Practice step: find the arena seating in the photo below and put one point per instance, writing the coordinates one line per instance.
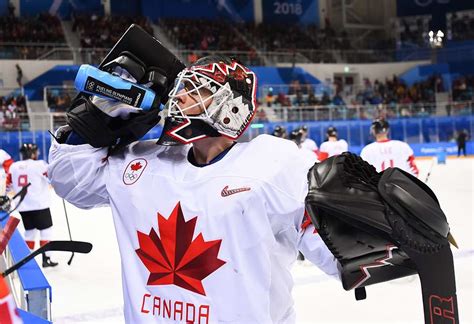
(248, 41)
(29, 37)
(104, 31)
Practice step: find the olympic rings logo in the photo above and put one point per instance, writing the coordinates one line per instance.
(134, 171)
(130, 176)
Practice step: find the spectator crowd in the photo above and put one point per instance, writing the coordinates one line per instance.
(463, 88)
(104, 31)
(391, 98)
(305, 43)
(461, 25)
(246, 41)
(29, 37)
(201, 36)
(12, 112)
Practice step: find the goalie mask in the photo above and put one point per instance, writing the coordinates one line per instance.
(215, 91)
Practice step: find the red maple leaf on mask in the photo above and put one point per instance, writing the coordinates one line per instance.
(174, 258)
(136, 166)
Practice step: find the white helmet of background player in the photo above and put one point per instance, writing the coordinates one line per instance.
(231, 89)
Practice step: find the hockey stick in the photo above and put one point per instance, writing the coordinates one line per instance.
(7, 232)
(22, 193)
(66, 246)
(429, 171)
(12, 222)
(69, 231)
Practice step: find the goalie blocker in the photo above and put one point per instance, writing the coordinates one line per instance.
(148, 62)
(384, 226)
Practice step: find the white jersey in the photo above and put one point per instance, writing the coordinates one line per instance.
(4, 156)
(389, 154)
(307, 154)
(5, 160)
(309, 144)
(203, 244)
(3, 182)
(35, 172)
(334, 147)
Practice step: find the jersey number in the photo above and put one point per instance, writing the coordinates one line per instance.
(387, 164)
(22, 180)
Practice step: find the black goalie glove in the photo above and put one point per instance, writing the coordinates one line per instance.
(383, 226)
(150, 64)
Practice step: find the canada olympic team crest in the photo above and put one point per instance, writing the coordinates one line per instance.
(134, 170)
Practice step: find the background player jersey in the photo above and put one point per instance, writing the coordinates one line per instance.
(389, 154)
(334, 147)
(3, 182)
(202, 244)
(5, 160)
(34, 172)
(309, 144)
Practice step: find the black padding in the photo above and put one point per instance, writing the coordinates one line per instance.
(372, 268)
(90, 123)
(384, 226)
(328, 191)
(360, 293)
(158, 78)
(151, 53)
(412, 201)
(358, 221)
(129, 62)
(150, 63)
(101, 130)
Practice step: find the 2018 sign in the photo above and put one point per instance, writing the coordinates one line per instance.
(290, 11)
(286, 8)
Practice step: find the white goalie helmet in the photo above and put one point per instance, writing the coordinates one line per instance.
(224, 93)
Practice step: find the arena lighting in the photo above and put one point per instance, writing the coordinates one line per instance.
(436, 40)
(257, 126)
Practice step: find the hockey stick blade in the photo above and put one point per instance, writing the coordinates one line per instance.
(69, 246)
(65, 246)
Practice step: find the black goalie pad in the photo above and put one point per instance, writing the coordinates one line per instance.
(383, 226)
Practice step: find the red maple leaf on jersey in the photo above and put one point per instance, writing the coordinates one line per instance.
(136, 166)
(174, 258)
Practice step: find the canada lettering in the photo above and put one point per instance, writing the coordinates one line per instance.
(174, 309)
